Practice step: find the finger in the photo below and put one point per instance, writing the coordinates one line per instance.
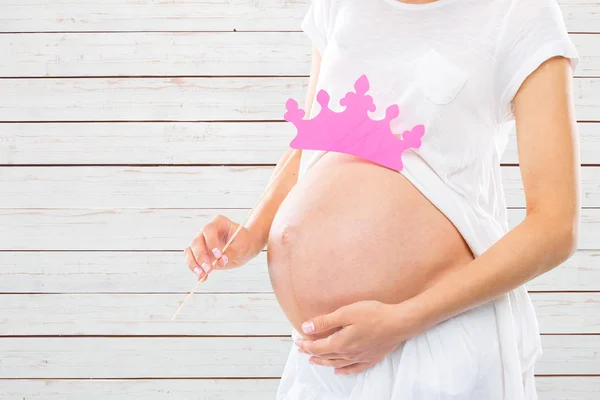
(330, 345)
(330, 356)
(192, 264)
(335, 362)
(200, 253)
(353, 369)
(326, 322)
(333, 356)
(215, 239)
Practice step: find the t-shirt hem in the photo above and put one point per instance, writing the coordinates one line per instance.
(478, 229)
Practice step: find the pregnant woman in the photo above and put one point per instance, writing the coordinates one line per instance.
(408, 284)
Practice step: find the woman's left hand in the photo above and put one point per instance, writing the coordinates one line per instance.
(370, 330)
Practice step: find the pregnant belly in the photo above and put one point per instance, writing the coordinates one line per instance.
(351, 230)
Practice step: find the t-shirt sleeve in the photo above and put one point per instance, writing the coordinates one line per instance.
(532, 32)
(316, 23)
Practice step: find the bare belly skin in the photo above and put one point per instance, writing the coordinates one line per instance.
(351, 230)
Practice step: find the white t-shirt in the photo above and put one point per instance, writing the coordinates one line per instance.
(453, 66)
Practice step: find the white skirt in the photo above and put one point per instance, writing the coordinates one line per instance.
(458, 359)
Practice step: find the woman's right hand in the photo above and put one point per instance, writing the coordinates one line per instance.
(209, 243)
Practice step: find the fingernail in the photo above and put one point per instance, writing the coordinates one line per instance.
(216, 252)
(308, 327)
(310, 360)
(298, 342)
(225, 259)
(205, 267)
(198, 271)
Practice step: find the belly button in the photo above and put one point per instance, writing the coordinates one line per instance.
(280, 232)
(285, 235)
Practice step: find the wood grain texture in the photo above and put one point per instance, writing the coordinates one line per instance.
(579, 355)
(220, 314)
(104, 229)
(150, 314)
(215, 357)
(144, 389)
(151, 143)
(176, 54)
(140, 357)
(567, 313)
(166, 272)
(147, 15)
(156, 229)
(183, 99)
(197, 15)
(567, 387)
(167, 54)
(128, 272)
(170, 143)
(149, 99)
(133, 187)
(185, 187)
(549, 388)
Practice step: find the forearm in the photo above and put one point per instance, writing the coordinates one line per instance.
(530, 249)
(259, 224)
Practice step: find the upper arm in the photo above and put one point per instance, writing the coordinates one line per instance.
(547, 142)
(533, 65)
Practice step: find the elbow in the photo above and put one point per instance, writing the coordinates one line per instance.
(562, 232)
(567, 240)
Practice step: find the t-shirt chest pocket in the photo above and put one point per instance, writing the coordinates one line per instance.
(438, 78)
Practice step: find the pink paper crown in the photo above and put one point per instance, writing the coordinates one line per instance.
(352, 131)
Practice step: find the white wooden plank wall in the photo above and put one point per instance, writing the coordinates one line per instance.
(124, 126)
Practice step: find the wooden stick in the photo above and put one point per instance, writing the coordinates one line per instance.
(239, 228)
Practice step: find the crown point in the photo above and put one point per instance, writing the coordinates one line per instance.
(293, 113)
(323, 98)
(419, 130)
(413, 137)
(370, 104)
(291, 105)
(362, 85)
(392, 112)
